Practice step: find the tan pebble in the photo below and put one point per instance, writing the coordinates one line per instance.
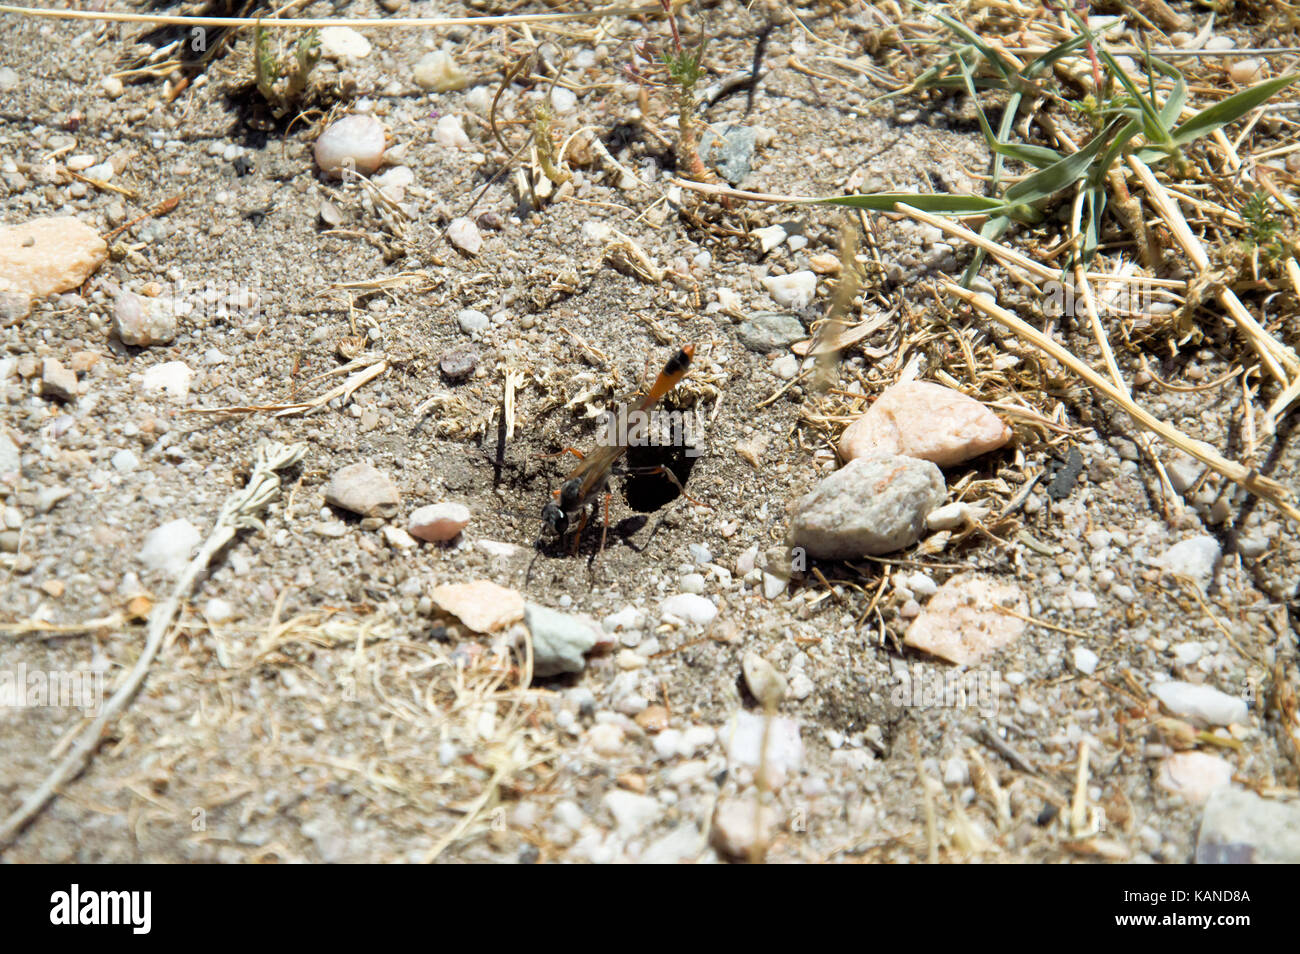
(83, 361)
(1246, 72)
(1194, 775)
(751, 451)
(632, 782)
(628, 659)
(58, 381)
(767, 685)
(48, 255)
(53, 587)
(653, 718)
(482, 605)
(438, 523)
(139, 606)
(742, 830)
(825, 264)
(606, 739)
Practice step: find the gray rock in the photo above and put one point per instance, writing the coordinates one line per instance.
(363, 489)
(125, 461)
(560, 640)
(730, 150)
(47, 497)
(458, 364)
(870, 506)
(167, 548)
(1201, 703)
(14, 307)
(770, 331)
(1239, 827)
(1194, 558)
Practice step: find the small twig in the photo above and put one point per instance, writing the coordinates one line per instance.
(240, 512)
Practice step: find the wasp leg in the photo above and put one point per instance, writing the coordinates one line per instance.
(605, 526)
(577, 534)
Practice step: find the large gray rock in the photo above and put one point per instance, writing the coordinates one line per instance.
(867, 508)
(560, 640)
(1239, 827)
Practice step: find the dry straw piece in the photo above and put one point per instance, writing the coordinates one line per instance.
(1267, 488)
(240, 512)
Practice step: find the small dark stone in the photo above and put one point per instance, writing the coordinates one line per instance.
(243, 166)
(458, 364)
(1066, 476)
(491, 222)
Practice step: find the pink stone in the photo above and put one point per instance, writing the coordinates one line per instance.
(925, 420)
(482, 605)
(438, 523)
(49, 255)
(961, 622)
(1194, 775)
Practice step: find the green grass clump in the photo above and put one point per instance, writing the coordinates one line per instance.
(283, 84)
(1124, 119)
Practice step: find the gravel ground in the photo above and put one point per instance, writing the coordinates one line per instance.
(312, 703)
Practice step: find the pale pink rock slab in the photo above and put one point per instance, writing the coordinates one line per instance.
(482, 605)
(48, 255)
(924, 420)
(961, 622)
(438, 523)
(1194, 775)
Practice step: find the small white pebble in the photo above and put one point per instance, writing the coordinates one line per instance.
(1085, 660)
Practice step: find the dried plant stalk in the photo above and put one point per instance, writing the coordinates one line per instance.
(1264, 487)
(1277, 357)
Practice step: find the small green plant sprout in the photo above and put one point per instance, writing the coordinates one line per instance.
(282, 84)
(545, 146)
(1264, 230)
(685, 68)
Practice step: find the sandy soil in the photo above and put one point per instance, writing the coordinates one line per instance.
(337, 716)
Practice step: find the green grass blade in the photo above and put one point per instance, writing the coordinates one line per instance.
(1059, 175)
(1153, 127)
(941, 203)
(1095, 201)
(1060, 51)
(1229, 110)
(1113, 151)
(1036, 156)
